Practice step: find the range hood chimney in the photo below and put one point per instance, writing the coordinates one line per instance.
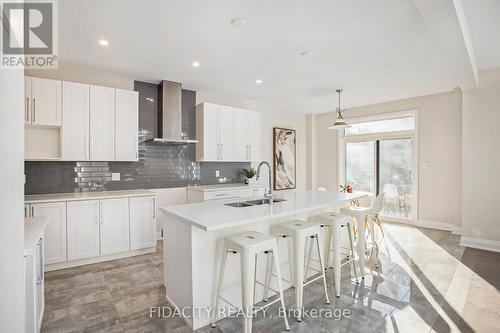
(170, 115)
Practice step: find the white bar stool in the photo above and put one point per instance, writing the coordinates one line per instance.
(359, 214)
(300, 231)
(248, 245)
(334, 224)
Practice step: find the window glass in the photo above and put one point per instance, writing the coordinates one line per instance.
(380, 126)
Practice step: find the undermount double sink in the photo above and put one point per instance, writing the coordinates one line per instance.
(251, 203)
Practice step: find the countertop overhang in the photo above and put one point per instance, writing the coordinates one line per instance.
(224, 187)
(215, 215)
(33, 229)
(77, 196)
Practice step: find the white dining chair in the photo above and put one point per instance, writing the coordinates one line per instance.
(392, 196)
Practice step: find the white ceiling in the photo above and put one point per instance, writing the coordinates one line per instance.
(376, 50)
(484, 22)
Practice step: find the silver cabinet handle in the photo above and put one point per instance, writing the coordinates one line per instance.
(221, 151)
(91, 144)
(97, 216)
(32, 211)
(40, 245)
(33, 111)
(27, 106)
(102, 213)
(154, 208)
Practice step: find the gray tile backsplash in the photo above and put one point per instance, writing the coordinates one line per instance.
(159, 166)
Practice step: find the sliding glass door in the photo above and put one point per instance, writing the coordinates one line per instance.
(395, 176)
(360, 161)
(379, 157)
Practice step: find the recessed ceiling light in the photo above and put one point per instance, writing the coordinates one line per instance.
(103, 42)
(305, 53)
(196, 64)
(258, 81)
(238, 22)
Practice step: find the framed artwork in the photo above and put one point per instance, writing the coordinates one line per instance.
(284, 158)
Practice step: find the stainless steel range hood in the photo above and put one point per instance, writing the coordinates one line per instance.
(170, 115)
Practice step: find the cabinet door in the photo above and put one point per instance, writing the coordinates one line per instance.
(27, 100)
(83, 229)
(142, 223)
(241, 134)
(102, 123)
(126, 120)
(226, 133)
(114, 226)
(75, 130)
(46, 102)
(211, 146)
(254, 139)
(55, 231)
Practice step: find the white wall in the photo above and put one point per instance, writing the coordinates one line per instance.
(12, 201)
(81, 74)
(481, 162)
(440, 136)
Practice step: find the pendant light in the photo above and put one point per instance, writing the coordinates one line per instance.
(339, 123)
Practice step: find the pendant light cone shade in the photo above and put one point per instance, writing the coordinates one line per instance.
(340, 122)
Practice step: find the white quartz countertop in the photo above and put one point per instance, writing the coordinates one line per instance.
(33, 229)
(37, 198)
(223, 187)
(215, 215)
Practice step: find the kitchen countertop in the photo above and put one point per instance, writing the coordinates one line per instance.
(221, 187)
(33, 229)
(58, 197)
(215, 215)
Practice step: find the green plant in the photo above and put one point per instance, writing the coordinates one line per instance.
(345, 188)
(249, 173)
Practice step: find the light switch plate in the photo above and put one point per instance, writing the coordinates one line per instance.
(115, 176)
(217, 173)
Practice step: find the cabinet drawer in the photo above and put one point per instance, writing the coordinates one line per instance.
(217, 195)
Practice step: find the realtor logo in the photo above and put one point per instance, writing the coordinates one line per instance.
(29, 34)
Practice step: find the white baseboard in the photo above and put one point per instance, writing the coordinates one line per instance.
(481, 244)
(94, 260)
(435, 225)
(186, 319)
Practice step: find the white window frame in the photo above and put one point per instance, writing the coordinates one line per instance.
(411, 134)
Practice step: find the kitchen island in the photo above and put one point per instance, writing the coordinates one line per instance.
(192, 245)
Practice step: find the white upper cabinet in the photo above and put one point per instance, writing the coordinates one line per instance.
(142, 223)
(43, 101)
(27, 100)
(126, 125)
(207, 132)
(227, 133)
(102, 123)
(75, 126)
(55, 230)
(114, 230)
(253, 137)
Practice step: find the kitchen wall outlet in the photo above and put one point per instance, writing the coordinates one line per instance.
(425, 165)
(115, 176)
(217, 173)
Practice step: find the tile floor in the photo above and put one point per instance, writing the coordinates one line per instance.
(426, 282)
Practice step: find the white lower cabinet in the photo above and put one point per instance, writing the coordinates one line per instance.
(114, 227)
(55, 231)
(34, 288)
(83, 229)
(142, 222)
(95, 230)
